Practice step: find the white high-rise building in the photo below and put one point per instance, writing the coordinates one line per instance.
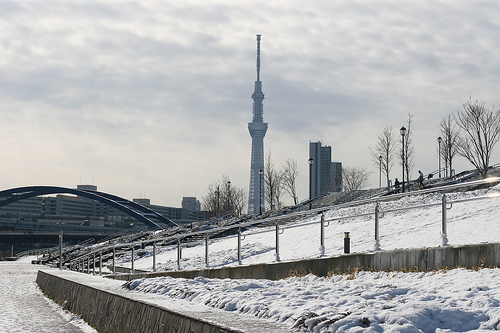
(258, 129)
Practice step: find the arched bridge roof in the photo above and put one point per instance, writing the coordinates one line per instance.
(131, 208)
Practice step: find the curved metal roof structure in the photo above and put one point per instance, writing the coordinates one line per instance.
(137, 211)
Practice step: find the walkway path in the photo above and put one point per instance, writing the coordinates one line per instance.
(25, 308)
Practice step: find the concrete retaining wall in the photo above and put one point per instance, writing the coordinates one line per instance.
(108, 312)
(415, 259)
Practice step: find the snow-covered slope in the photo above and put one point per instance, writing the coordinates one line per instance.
(457, 300)
(470, 222)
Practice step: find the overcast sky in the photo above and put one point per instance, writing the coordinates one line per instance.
(153, 98)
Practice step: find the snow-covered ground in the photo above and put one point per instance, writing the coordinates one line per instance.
(26, 309)
(455, 300)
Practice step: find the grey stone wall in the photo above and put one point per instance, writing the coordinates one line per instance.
(108, 312)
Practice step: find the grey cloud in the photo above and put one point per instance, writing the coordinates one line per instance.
(168, 77)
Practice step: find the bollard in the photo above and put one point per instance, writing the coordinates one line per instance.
(347, 243)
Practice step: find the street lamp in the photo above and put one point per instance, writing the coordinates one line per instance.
(310, 181)
(403, 133)
(228, 195)
(217, 192)
(380, 171)
(261, 173)
(439, 154)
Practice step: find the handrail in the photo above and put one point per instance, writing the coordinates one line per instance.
(311, 212)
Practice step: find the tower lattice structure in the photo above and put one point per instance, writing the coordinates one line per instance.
(257, 129)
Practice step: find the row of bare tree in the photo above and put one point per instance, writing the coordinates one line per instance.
(471, 133)
(224, 198)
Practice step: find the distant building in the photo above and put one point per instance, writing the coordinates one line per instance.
(326, 176)
(73, 207)
(31, 207)
(87, 187)
(190, 203)
(190, 211)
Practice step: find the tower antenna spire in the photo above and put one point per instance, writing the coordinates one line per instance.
(258, 57)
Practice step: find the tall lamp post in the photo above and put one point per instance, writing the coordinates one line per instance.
(439, 155)
(403, 133)
(380, 171)
(228, 196)
(310, 181)
(217, 192)
(261, 173)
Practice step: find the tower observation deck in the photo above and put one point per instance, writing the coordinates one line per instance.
(257, 129)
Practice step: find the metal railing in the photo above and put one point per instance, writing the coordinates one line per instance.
(83, 263)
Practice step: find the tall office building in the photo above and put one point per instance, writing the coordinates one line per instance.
(258, 129)
(326, 176)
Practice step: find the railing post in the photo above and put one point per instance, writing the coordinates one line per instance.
(60, 250)
(132, 271)
(239, 246)
(206, 251)
(377, 234)
(322, 236)
(444, 236)
(100, 263)
(114, 260)
(154, 256)
(179, 255)
(88, 265)
(277, 254)
(93, 266)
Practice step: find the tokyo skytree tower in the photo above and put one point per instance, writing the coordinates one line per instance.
(257, 130)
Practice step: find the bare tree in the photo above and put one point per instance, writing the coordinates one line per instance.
(480, 132)
(450, 136)
(224, 198)
(383, 153)
(290, 174)
(353, 178)
(273, 183)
